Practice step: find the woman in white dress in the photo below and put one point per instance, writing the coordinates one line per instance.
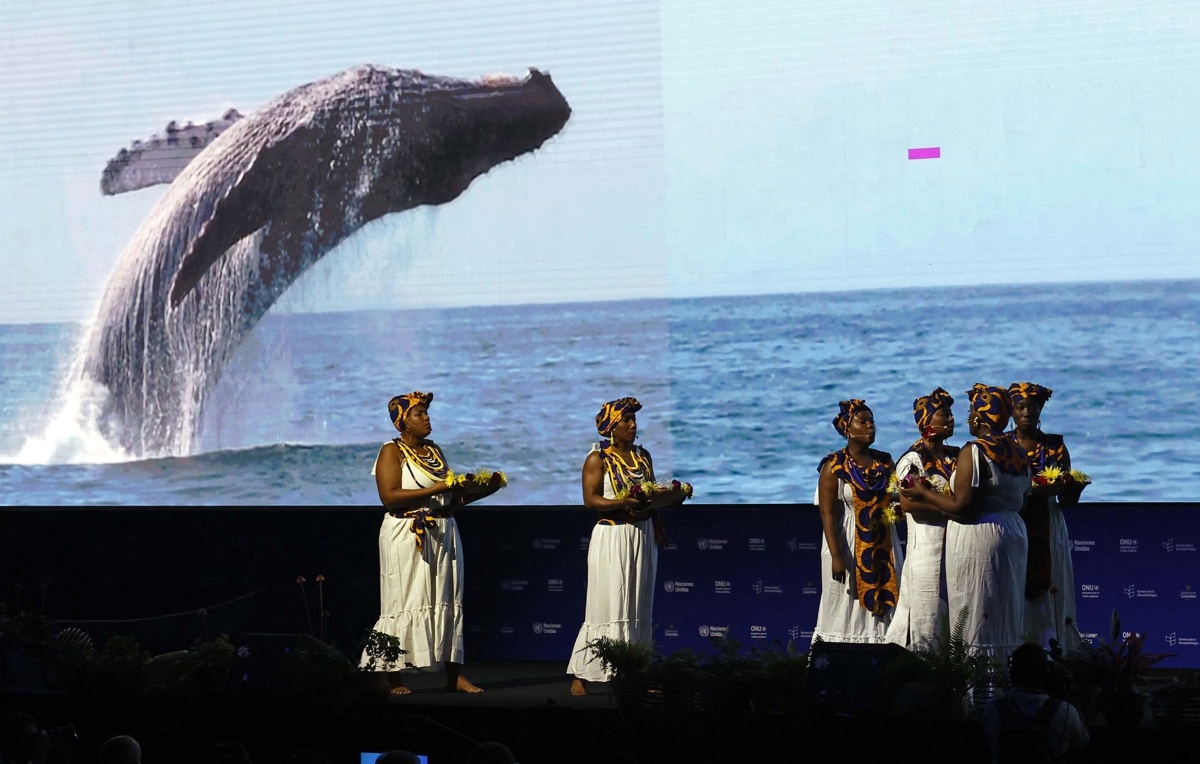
(1049, 573)
(920, 617)
(623, 553)
(420, 551)
(860, 556)
(985, 542)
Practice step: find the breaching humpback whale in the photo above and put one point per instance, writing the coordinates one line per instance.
(264, 200)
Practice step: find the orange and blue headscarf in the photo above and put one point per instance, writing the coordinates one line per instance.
(849, 408)
(1027, 391)
(993, 404)
(399, 406)
(927, 405)
(613, 412)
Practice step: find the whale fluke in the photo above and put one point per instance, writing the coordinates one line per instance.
(265, 199)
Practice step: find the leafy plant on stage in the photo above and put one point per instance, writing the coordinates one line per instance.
(200, 671)
(621, 657)
(936, 680)
(382, 651)
(1112, 670)
(119, 670)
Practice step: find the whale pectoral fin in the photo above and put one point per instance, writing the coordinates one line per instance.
(160, 160)
(248, 206)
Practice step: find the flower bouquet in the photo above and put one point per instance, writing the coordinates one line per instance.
(479, 481)
(654, 495)
(1070, 482)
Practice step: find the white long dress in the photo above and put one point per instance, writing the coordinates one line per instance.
(840, 616)
(985, 561)
(920, 615)
(1052, 615)
(421, 593)
(622, 563)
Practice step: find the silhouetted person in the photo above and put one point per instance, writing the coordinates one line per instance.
(121, 749)
(491, 753)
(399, 757)
(1027, 725)
(21, 740)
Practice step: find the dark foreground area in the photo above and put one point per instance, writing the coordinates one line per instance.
(527, 706)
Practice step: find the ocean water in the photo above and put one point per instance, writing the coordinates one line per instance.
(738, 393)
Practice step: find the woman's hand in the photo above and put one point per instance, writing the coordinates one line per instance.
(838, 567)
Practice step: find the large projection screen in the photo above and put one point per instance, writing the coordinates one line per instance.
(755, 210)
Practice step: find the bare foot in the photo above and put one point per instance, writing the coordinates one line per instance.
(577, 687)
(400, 690)
(462, 685)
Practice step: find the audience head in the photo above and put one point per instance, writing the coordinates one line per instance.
(399, 757)
(121, 749)
(1029, 666)
(492, 753)
(19, 734)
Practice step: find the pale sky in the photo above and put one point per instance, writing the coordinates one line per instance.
(715, 148)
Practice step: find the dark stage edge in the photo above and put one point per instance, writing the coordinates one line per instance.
(528, 706)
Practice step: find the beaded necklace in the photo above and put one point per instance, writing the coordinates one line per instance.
(431, 462)
(621, 473)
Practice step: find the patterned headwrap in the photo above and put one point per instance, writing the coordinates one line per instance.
(613, 412)
(849, 408)
(400, 405)
(991, 403)
(927, 405)
(1022, 391)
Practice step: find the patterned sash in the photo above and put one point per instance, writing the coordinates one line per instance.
(874, 562)
(1008, 457)
(933, 465)
(1049, 451)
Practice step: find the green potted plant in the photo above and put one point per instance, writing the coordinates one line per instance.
(1113, 669)
(950, 679)
(629, 663)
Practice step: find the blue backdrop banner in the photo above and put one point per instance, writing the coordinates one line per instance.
(753, 574)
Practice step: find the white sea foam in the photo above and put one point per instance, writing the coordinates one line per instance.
(72, 435)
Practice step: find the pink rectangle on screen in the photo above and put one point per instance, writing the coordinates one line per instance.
(934, 152)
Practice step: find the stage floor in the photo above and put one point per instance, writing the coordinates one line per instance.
(505, 684)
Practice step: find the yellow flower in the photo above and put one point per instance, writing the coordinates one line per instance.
(893, 486)
(1051, 474)
(452, 478)
(1081, 477)
(503, 477)
(483, 477)
(891, 513)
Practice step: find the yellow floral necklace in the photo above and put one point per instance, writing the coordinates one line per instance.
(431, 462)
(621, 473)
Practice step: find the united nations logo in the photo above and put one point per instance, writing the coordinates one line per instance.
(704, 631)
(702, 543)
(537, 543)
(669, 586)
(537, 627)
